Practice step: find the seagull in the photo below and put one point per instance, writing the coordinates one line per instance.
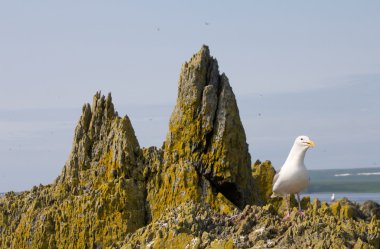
(293, 177)
(333, 197)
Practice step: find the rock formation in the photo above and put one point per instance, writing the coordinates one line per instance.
(205, 156)
(98, 198)
(198, 191)
(197, 226)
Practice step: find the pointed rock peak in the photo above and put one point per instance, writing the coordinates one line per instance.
(203, 53)
(201, 60)
(205, 49)
(101, 137)
(85, 118)
(103, 105)
(205, 129)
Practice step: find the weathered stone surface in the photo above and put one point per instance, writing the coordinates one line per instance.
(98, 198)
(206, 132)
(344, 208)
(191, 193)
(371, 209)
(205, 156)
(192, 225)
(99, 133)
(263, 174)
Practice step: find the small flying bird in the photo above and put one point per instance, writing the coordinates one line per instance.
(332, 197)
(293, 176)
(207, 23)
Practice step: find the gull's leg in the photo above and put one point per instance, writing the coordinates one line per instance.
(299, 205)
(287, 216)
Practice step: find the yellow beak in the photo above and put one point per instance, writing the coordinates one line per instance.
(311, 144)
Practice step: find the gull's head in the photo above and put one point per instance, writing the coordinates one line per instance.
(304, 142)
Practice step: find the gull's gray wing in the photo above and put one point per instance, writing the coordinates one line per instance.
(274, 181)
(275, 178)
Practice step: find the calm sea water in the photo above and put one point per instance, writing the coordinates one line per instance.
(355, 197)
(363, 180)
(357, 185)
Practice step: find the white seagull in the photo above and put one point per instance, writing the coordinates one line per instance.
(293, 177)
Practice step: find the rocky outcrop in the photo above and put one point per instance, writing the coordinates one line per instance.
(198, 191)
(205, 156)
(370, 209)
(197, 226)
(344, 208)
(98, 198)
(110, 187)
(104, 147)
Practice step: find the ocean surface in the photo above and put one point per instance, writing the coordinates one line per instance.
(355, 197)
(363, 180)
(357, 185)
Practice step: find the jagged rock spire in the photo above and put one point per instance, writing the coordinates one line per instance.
(205, 129)
(100, 132)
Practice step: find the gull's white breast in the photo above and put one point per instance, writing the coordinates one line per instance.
(292, 179)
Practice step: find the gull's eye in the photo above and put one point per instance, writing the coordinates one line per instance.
(301, 139)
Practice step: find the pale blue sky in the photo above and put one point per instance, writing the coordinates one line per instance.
(296, 67)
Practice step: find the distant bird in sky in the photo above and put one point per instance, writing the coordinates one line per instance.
(207, 23)
(332, 197)
(293, 176)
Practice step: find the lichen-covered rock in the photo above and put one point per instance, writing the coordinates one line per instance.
(191, 193)
(193, 225)
(98, 198)
(101, 135)
(344, 208)
(370, 209)
(205, 156)
(263, 173)
(206, 133)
